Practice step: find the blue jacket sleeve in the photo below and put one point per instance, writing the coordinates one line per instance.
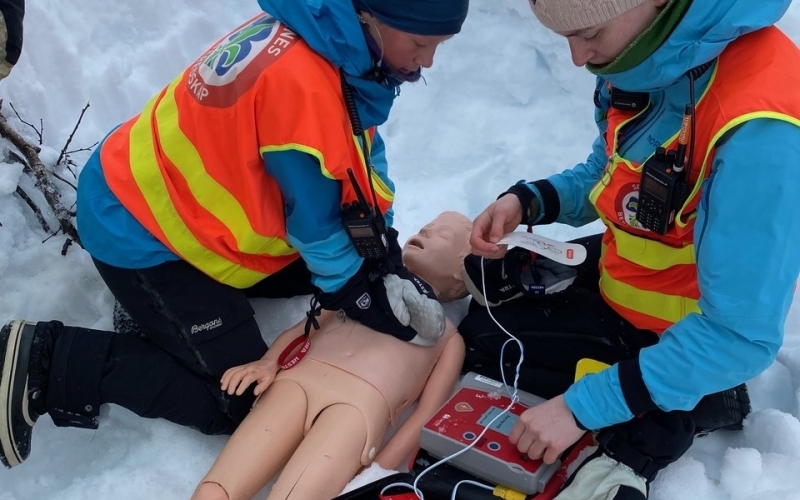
(312, 207)
(747, 241)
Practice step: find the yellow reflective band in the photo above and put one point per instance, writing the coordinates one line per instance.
(651, 254)
(381, 189)
(294, 146)
(613, 161)
(223, 205)
(739, 120)
(147, 174)
(671, 308)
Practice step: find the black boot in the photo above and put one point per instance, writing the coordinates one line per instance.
(25, 354)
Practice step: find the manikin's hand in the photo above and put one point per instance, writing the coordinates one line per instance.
(546, 430)
(237, 379)
(499, 218)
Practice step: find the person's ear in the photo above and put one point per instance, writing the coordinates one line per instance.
(366, 18)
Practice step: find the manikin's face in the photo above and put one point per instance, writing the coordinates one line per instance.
(603, 43)
(437, 253)
(403, 52)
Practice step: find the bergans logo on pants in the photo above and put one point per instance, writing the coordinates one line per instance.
(216, 323)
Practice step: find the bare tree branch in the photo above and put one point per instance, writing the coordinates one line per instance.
(73, 186)
(36, 211)
(71, 135)
(39, 131)
(65, 247)
(42, 177)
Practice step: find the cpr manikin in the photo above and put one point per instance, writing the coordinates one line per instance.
(325, 418)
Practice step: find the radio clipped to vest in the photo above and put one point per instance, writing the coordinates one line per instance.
(365, 226)
(663, 186)
(364, 223)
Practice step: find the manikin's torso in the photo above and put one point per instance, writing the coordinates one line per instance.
(397, 369)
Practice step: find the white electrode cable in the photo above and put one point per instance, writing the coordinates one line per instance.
(514, 399)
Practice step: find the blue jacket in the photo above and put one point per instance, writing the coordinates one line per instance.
(313, 222)
(748, 251)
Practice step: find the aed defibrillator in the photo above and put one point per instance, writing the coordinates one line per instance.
(493, 459)
(461, 420)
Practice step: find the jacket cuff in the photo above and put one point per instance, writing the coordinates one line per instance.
(527, 200)
(550, 204)
(635, 391)
(596, 400)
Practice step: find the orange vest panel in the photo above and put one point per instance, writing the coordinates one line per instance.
(650, 279)
(190, 168)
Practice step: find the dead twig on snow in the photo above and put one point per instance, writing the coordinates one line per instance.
(64, 152)
(42, 178)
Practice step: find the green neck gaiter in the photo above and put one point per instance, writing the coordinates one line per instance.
(648, 42)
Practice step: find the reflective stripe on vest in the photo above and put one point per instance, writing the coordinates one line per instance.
(190, 168)
(649, 279)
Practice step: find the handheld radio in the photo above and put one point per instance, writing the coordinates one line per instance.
(364, 223)
(365, 226)
(662, 190)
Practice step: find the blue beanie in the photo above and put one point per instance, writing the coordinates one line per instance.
(420, 17)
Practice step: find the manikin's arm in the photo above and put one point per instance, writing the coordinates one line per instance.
(238, 379)
(438, 388)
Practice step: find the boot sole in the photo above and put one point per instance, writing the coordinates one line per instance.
(13, 389)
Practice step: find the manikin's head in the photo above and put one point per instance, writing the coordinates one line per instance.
(436, 254)
(598, 31)
(409, 31)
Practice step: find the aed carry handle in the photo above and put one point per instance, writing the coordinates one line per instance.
(662, 189)
(365, 226)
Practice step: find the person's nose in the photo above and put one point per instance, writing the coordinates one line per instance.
(425, 57)
(581, 51)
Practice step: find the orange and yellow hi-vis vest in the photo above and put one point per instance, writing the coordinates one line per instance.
(649, 279)
(190, 169)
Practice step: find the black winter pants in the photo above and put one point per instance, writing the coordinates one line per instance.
(190, 330)
(558, 330)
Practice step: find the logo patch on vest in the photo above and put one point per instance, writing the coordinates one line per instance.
(626, 203)
(231, 67)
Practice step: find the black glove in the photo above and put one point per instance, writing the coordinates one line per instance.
(402, 305)
(394, 249)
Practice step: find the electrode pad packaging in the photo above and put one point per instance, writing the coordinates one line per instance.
(461, 420)
(570, 254)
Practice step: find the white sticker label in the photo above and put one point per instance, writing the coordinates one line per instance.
(488, 381)
(570, 254)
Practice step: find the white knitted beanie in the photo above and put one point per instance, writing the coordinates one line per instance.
(571, 15)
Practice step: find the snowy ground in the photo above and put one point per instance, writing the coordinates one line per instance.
(503, 102)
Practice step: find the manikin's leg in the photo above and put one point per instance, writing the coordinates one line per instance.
(261, 445)
(327, 459)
